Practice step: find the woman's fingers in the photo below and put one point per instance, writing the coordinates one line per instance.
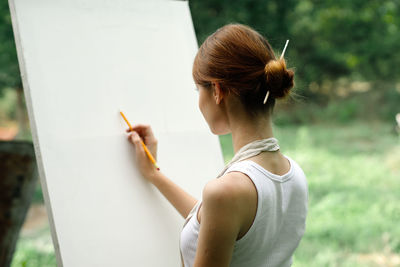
(136, 141)
(137, 127)
(144, 131)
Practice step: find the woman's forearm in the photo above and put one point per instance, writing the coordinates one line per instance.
(179, 198)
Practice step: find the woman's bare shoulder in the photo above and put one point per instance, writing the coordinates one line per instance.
(234, 189)
(234, 195)
(231, 185)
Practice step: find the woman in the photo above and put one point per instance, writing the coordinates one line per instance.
(254, 213)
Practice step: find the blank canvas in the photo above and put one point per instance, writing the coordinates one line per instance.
(81, 61)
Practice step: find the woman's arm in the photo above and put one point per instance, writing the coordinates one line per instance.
(180, 199)
(221, 220)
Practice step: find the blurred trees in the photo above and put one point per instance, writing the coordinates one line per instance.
(337, 46)
(355, 39)
(9, 68)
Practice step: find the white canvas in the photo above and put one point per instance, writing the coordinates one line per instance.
(81, 61)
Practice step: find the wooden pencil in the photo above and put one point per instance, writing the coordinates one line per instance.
(149, 155)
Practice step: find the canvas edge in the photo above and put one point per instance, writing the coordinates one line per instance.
(35, 139)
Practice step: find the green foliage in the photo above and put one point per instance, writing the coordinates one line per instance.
(346, 38)
(390, 103)
(352, 172)
(329, 40)
(35, 250)
(357, 39)
(374, 105)
(9, 68)
(38, 195)
(7, 104)
(226, 146)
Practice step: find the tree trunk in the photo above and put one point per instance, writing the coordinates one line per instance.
(18, 177)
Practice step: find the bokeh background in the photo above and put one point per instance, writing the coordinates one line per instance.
(340, 125)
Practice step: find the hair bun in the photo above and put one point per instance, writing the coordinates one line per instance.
(279, 79)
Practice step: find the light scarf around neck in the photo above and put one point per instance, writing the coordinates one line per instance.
(247, 151)
(252, 149)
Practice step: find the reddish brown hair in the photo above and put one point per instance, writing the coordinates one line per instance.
(243, 62)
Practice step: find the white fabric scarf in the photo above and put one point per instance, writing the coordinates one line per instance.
(252, 149)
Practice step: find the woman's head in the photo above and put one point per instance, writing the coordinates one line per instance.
(234, 68)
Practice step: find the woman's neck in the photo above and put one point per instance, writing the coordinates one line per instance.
(247, 130)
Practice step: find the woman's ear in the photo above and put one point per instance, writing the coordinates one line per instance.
(217, 92)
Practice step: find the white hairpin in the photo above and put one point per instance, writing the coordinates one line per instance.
(284, 49)
(266, 97)
(283, 53)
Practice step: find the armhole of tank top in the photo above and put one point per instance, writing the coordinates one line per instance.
(193, 214)
(259, 203)
(196, 219)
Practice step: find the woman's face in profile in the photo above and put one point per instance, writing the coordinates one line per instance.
(213, 113)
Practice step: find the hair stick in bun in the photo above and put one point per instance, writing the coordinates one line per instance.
(283, 53)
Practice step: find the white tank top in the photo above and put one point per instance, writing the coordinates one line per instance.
(279, 223)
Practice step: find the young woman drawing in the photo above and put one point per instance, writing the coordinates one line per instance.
(254, 213)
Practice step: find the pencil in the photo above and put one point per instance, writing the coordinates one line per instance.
(143, 144)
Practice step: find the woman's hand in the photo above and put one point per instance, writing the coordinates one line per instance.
(179, 198)
(144, 132)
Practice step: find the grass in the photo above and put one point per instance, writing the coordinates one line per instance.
(35, 250)
(353, 173)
